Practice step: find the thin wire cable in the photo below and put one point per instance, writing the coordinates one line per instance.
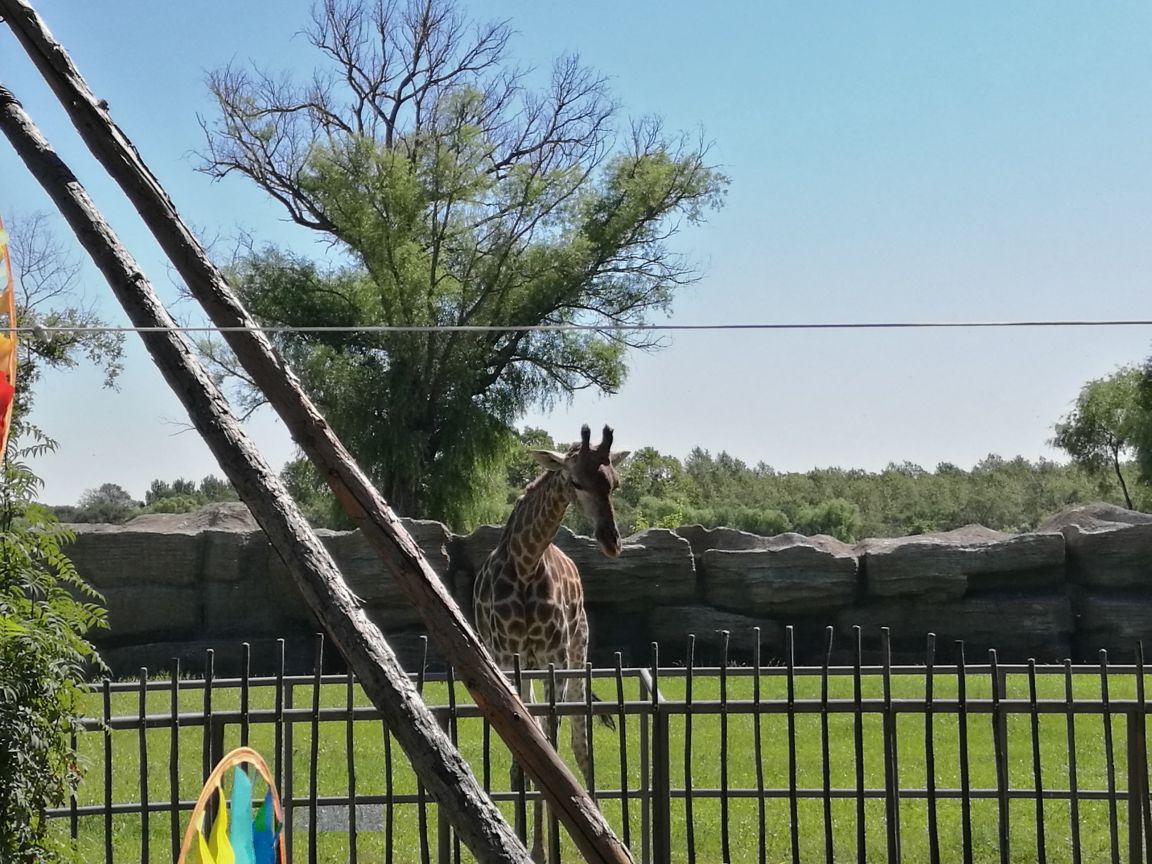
(44, 331)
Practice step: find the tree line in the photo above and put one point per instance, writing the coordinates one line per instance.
(660, 490)
(112, 503)
(903, 499)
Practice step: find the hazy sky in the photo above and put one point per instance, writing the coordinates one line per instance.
(889, 161)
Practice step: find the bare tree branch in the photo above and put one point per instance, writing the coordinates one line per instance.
(49, 294)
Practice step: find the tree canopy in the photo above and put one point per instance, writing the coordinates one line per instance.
(1102, 430)
(461, 195)
(109, 502)
(184, 496)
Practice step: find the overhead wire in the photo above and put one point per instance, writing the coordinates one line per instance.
(47, 331)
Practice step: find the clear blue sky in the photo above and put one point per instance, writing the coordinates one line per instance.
(888, 160)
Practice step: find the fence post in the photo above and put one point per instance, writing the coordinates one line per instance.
(1001, 684)
(286, 791)
(891, 755)
(644, 791)
(661, 789)
(1137, 785)
(443, 827)
(217, 723)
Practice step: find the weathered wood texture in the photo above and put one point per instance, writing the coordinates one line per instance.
(437, 763)
(367, 509)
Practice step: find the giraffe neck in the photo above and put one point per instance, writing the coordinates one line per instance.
(535, 520)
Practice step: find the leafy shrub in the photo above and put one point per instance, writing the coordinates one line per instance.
(174, 504)
(45, 611)
(837, 517)
(658, 513)
(750, 519)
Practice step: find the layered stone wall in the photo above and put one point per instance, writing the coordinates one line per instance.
(175, 585)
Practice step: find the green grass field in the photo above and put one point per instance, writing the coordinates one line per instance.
(742, 823)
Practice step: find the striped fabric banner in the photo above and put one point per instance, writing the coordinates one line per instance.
(7, 342)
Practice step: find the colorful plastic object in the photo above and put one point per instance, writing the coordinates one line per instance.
(241, 832)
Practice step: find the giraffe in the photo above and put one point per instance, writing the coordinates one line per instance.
(528, 599)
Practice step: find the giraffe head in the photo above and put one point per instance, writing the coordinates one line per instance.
(590, 473)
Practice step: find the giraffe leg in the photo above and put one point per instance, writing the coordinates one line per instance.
(516, 777)
(537, 805)
(577, 656)
(563, 690)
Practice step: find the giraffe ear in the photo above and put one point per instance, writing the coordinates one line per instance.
(617, 458)
(549, 460)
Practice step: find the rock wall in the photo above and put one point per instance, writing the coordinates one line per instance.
(175, 585)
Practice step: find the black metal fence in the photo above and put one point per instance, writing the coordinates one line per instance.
(932, 762)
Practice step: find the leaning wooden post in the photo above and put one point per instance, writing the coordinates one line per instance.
(435, 760)
(441, 616)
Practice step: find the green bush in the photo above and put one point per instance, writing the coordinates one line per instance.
(751, 519)
(45, 612)
(174, 504)
(658, 513)
(837, 517)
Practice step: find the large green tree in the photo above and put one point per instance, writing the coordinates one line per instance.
(649, 473)
(1104, 426)
(460, 194)
(109, 503)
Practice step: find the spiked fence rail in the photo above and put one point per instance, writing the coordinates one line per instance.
(661, 715)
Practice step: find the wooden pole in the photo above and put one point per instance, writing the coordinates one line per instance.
(435, 760)
(441, 616)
